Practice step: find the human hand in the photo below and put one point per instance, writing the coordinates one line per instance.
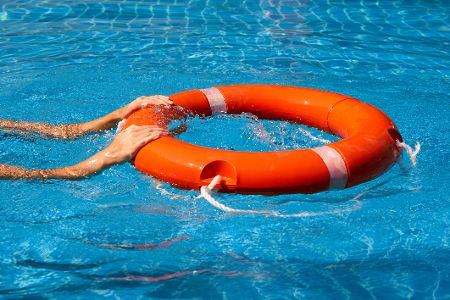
(145, 101)
(128, 142)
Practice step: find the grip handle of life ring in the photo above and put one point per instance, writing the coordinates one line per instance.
(226, 170)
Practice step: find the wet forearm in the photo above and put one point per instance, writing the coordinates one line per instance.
(104, 123)
(123, 148)
(75, 130)
(57, 131)
(66, 131)
(83, 169)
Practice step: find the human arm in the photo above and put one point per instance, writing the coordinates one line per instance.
(68, 131)
(122, 149)
(110, 120)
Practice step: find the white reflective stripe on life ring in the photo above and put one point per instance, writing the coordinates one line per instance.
(336, 167)
(216, 100)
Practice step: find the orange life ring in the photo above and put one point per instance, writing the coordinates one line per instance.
(367, 150)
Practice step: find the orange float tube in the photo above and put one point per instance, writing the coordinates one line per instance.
(367, 150)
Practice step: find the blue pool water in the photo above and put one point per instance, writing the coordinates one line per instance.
(121, 235)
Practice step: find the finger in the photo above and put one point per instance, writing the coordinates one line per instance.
(151, 102)
(142, 127)
(149, 128)
(151, 132)
(155, 100)
(146, 101)
(138, 132)
(142, 133)
(143, 140)
(137, 128)
(131, 131)
(164, 100)
(128, 129)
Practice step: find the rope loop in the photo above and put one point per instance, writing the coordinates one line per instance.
(411, 153)
(206, 193)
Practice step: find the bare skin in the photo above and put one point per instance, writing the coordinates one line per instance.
(123, 148)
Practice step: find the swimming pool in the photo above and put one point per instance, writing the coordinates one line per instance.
(120, 234)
